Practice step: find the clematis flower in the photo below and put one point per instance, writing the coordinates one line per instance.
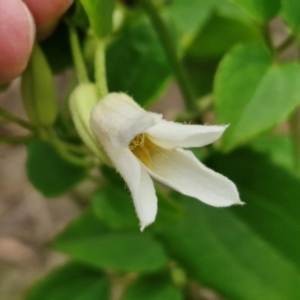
(142, 145)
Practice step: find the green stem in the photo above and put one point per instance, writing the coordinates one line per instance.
(77, 55)
(8, 116)
(294, 122)
(100, 70)
(4, 87)
(74, 148)
(63, 151)
(99, 180)
(285, 44)
(170, 52)
(15, 139)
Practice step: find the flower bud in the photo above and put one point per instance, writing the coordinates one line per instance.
(38, 90)
(82, 101)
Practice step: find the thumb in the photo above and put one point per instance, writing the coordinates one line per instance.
(17, 32)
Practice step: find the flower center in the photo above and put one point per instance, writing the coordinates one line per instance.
(142, 148)
(138, 141)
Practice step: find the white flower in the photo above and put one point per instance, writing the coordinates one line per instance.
(141, 144)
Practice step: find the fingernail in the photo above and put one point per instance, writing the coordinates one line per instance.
(32, 29)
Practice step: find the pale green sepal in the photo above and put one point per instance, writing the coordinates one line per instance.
(38, 90)
(82, 100)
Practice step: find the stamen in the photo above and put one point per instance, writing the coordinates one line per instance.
(142, 148)
(138, 141)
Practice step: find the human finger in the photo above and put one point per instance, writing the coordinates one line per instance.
(17, 31)
(47, 14)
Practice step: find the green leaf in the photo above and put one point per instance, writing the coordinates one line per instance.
(48, 172)
(152, 288)
(190, 18)
(169, 210)
(271, 194)
(73, 282)
(57, 49)
(231, 11)
(137, 65)
(291, 14)
(279, 149)
(100, 15)
(259, 10)
(113, 176)
(114, 207)
(223, 252)
(85, 226)
(125, 251)
(208, 45)
(79, 17)
(204, 53)
(253, 94)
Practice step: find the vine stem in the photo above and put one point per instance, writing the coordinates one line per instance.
(75, 148)
(294, 123)
(8, 116)
(100, 69)
(63, 151)
(170, 52)
(294, 120)
(77, 55)
(4, 87)
(16, 139)
(285, 44)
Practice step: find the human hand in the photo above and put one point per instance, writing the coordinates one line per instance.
(20, 22)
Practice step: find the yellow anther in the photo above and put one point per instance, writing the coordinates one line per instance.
(142, 148)
(138, 141)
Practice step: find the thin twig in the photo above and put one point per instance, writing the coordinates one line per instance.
(8, 116)
(285, 44)
(170, 52)
(16, 139)
(77, 55)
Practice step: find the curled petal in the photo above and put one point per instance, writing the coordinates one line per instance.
(120, 119)
(170, 135)
(138, 180)
(182, 171)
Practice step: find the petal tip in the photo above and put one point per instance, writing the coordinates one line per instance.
(241, 203)
(145, 224)
(236, 202)
(225, 126)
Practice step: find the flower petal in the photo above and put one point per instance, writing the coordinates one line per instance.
(170, 135)
(145, 200)
(121, 119)
(138, 180)
(182, 171)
